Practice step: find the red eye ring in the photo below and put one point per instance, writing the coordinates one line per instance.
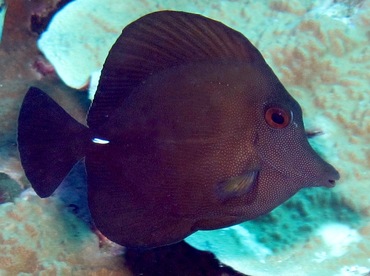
(277, 117)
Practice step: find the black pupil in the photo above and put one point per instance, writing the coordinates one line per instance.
(277, 118)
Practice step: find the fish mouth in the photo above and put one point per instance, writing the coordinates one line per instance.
(331, 183)
(328, 178)
(332, 178)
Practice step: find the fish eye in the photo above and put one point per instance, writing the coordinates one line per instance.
(277, 117)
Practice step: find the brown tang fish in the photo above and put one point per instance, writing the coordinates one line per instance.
(190, 129)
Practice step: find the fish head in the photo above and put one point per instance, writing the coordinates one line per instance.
(269, 157)
(288, 162)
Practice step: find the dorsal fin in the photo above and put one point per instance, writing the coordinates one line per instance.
(159, 41)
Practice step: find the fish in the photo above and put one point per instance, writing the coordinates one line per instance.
(189, 129)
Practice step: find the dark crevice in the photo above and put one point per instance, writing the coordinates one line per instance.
(39, 22)
(177, 259)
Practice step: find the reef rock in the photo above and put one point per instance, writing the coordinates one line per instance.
(319, 50)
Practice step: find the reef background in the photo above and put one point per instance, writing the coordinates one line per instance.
(319, 50)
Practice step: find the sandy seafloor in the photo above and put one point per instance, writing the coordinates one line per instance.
(320, 51)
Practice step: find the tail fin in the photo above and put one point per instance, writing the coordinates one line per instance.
(50, 141)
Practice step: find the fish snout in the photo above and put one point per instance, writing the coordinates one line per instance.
(332, 178)
(329, 177)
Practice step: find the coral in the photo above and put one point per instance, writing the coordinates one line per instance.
(309, 212)
(39, 236)
(9, 189)
(298, 230)
(319, 50)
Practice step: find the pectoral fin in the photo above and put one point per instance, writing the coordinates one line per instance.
(237, 186)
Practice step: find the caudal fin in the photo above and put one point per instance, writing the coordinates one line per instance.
(50, 141)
